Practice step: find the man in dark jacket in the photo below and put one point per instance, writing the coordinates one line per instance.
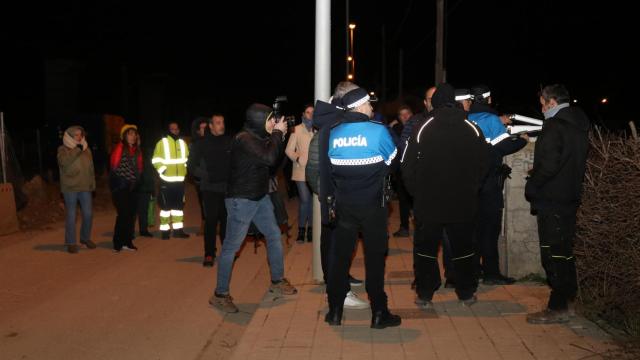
(253, 151)
(489, 223)
(360, 154)
(443, 166)
(554, 189)
(209, 161)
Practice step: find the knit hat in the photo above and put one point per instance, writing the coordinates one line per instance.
(126, 127)
(443, 96)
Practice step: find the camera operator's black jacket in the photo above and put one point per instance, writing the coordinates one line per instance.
(559, 161)
(443, 167)
(253, 153)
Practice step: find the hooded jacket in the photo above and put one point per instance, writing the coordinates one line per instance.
(559, 161)
(76, 164)
(253, 152)
(444, 163)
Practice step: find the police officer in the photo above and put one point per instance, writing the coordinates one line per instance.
(489, 221)
(360, 154)
(170, 160)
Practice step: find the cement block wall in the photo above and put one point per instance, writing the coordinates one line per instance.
(519, 247)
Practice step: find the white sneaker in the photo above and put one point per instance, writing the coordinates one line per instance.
(352, 301)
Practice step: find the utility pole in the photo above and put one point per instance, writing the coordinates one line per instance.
(383, 63)
(346, 39)
(400, 73)
(439, 42)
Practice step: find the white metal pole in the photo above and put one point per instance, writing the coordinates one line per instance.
(322, 91)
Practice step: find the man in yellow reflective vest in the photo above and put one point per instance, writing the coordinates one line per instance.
(170, 160)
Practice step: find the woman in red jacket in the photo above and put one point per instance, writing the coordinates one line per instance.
(125, 169)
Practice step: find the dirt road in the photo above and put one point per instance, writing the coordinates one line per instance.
(99, 305)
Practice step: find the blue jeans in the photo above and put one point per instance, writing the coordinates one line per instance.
(70, 201)
(305, 207)
(240, 214)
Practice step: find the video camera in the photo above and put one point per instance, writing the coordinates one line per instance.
(278, 111)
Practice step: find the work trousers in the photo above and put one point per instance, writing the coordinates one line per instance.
(171, 202)
(425, 256)
(556, 230)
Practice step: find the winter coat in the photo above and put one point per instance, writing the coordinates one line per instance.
(298, 151)
(443, 167)
(559, 161)
(75, 162)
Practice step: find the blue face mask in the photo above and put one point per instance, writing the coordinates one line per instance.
(307, 123)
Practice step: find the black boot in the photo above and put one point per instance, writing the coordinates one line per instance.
(334, 316)
(383, 318)
(300, 239)
(309, 234)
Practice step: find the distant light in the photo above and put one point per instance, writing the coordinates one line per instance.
(604, 100)
(349, 58)
(350, 77)
(373, 93)
(575, 101)
(352, 26)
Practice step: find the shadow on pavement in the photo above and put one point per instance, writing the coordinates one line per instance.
(191, 259)
(50, 247)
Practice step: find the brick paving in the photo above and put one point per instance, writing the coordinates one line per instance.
(494, 328)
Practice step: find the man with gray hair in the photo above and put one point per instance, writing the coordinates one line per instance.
(554, 189)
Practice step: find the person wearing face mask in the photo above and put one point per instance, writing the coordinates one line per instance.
(554, 189)
(254, 151)
(298, 151)
(77, 182)
(170, 160)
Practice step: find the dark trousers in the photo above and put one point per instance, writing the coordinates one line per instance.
(142, 201)
(556, 230)
(425, 257)
(214, 212)
(404, 202)
(326, 238)
(125, 203)
(449, 272)
(201, 202)
(171, 195)
(487, 233)
(372, 221)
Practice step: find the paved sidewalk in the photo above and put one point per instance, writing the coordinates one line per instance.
(494, 328)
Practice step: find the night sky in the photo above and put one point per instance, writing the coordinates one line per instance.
(177, 61)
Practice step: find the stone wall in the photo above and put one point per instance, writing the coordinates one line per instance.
(518, 244)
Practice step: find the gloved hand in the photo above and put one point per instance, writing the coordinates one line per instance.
(530, 191)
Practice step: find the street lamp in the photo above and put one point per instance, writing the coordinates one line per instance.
(351, 58)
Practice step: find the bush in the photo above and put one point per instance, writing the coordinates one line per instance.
(607, 244)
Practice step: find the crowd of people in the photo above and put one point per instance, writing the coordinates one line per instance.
(445, 165)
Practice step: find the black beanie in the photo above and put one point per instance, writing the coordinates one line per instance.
(445, 95)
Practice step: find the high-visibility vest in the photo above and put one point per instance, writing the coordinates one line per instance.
(170, 159)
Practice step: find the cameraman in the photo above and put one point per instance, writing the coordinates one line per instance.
(253, 151)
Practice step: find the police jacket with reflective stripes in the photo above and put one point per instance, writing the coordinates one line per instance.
(170, 158)
(502, 144)
(252, 157)
(360, 153)
(443, 166)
